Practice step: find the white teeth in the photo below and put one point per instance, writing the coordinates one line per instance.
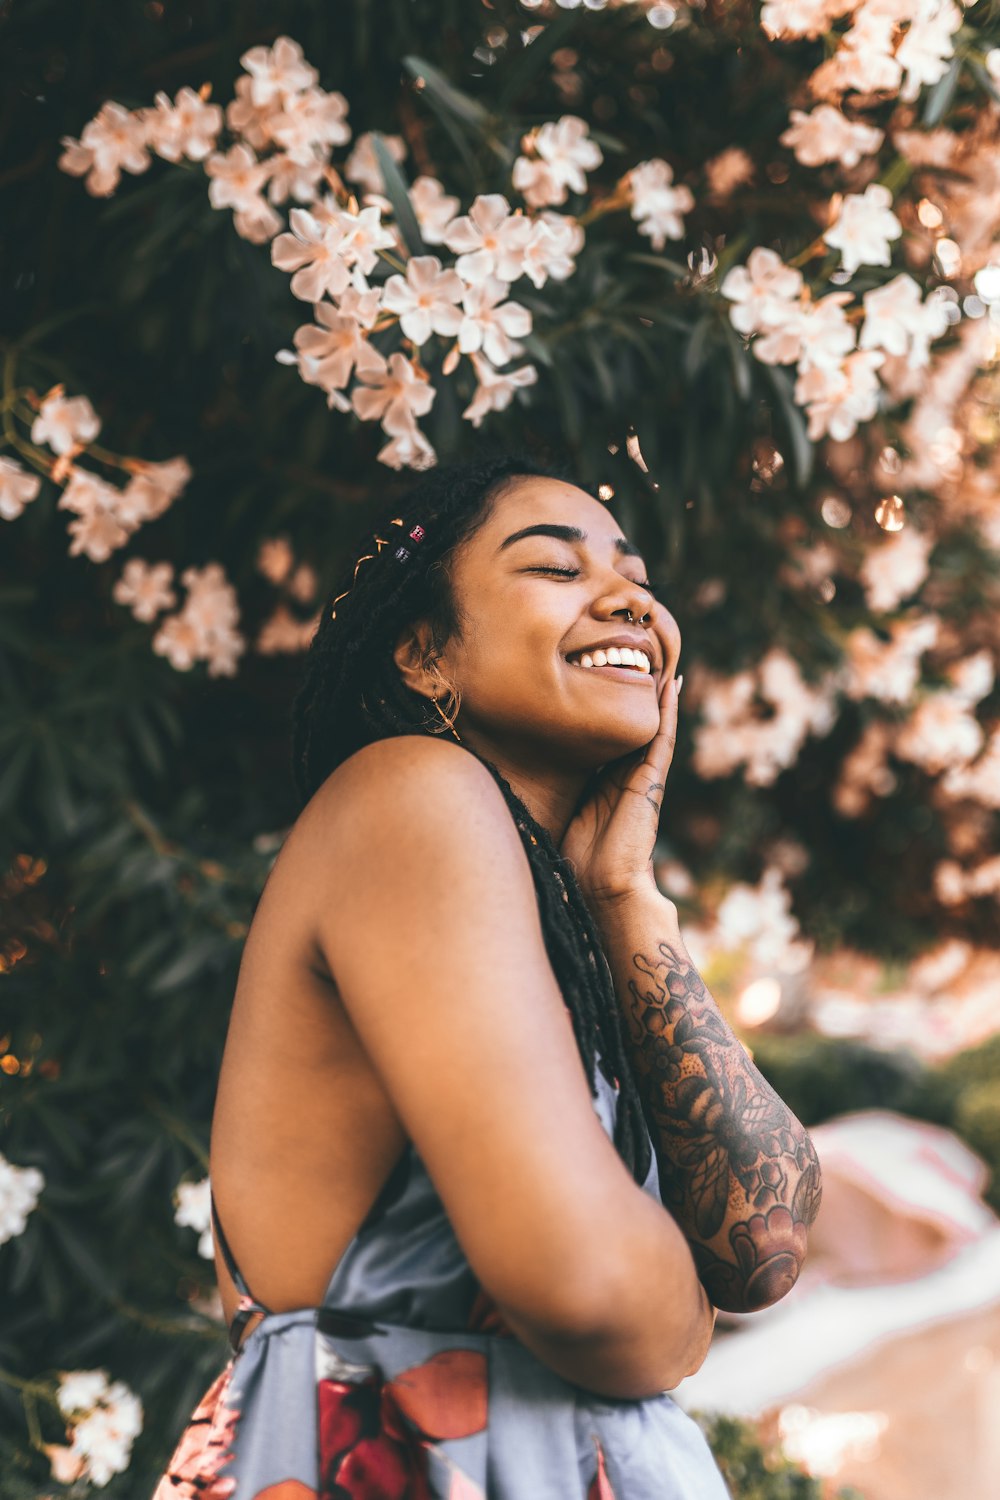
(614, 656)
(617, 656)
(586, 660)
(643, 661)
(628, 657)
(600, 658)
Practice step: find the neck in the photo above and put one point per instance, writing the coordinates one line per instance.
(550, 795)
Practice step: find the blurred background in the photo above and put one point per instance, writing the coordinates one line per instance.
(739, 265)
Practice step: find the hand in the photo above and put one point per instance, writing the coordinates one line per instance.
(611, 838)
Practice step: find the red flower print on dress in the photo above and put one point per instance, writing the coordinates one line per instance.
(375, 1435)
(205, 1448)
(600, 1488)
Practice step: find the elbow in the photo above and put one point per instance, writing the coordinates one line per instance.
(770, 1249)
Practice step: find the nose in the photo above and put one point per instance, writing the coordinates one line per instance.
(627, 600)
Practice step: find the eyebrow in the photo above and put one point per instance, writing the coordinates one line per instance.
(565, 534)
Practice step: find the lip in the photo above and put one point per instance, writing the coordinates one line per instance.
(642, 643)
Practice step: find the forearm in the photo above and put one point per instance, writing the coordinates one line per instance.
(737, 1169)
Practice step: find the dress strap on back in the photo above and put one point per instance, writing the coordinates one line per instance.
(248, 1305)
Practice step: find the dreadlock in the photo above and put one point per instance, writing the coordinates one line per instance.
(352, 693)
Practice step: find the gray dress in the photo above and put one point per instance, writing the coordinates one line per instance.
(406, 1385)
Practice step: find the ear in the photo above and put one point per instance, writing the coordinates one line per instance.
(413, 654)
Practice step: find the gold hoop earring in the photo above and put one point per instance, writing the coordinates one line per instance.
(449, 722)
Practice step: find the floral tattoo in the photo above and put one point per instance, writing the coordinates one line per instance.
(737, 1169)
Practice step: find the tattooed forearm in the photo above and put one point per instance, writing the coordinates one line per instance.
(737, 1169)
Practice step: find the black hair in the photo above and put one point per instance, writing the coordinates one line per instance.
(352, 693)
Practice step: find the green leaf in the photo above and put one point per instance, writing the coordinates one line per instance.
(443, 93)
(940, 96)
(13, 775)
(661, 262)
(189, 962)
(794, 423)
(699, 347)
(396, 192)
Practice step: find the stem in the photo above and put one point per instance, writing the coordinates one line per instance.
(36, 1388)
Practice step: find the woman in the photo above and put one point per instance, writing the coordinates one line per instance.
(470, 1061)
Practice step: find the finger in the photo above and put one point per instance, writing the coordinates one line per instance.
(660, 750)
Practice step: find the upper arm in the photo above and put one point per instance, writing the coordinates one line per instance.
(428, 919)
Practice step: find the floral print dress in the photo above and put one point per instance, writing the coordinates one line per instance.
(406, 1385)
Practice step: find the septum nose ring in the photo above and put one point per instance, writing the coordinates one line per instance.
(633, 621)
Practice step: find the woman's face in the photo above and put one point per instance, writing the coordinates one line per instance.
(544, 586)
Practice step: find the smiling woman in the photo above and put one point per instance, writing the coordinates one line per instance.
(506, 1150)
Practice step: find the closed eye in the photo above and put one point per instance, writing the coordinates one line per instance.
(642, 583)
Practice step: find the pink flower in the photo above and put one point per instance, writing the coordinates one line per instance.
(761, 291)
(560, 153)
(284, 633)
(237, 178)
(145, 588)
(275, 559)
(152, 489)
(897, 321)
(291, 179)
(250, 120)
(838, 399)
(115, 140)
(490, 241)
(408, 450)
(495, 391)
(433, 207)
(657, 203)
(277, 72)
(827, 135)
(555, 240)
(188, 127)
(394, 393)
(330, 350)
(17, 488)
(65, 423)
(864, 227)
(205, 628)
(491, 324)
(362, 165)
(311, 122)
(426, 299)
(316, 253)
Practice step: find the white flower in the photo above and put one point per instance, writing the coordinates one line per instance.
(362, 165)
(310, 121)
(864, 228)
(784, 19)
(188, 127)
(827, 135)
(237, 178)
(897, 321)
(366, 235)
(394, 393)
(555, 240)
(152, 489)
(250, 120)
(491, 324)
(560, 154)
(105, 1436)
(824, 333)
(145, 588)
(292, 179)
(113, 141)
(17, 487)
(328, 351)
(409, 450)
(277, 72)
(895, 568)
(927, 46)
(657, 204)
(80, 1390)
(194, 1211)
(20, 1188)
(941, 733)
(761, 291)
(205, 628)
(315, 252)
(489, 240)
(495, 391)
(257, 222)
(888, 670)
(98, 529)
(838, 399)
(426, 299)
(433, 207)
(64, 423)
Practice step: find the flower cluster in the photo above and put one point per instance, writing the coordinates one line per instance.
(193, 1210)
(104, 1419)
(757, 719)
(20, 1188)
(374, 303)
(836, 383)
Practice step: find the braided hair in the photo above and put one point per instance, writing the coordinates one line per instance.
(352, 693)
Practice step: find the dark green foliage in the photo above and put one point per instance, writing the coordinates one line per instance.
(754, 1474)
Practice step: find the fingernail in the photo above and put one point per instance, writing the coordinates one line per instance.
(680, 683)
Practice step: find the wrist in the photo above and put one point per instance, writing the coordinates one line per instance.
(641, 903)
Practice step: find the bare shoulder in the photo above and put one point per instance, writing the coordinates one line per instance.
(413, 793)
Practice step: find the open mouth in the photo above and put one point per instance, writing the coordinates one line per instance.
(634, 661)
